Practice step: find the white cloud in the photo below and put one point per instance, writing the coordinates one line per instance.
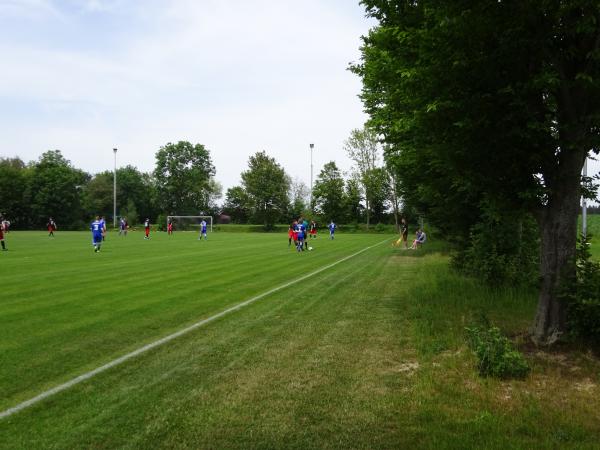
(236, 76)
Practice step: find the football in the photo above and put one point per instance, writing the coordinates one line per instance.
(309, 249)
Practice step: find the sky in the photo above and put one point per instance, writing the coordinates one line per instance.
(238, 76)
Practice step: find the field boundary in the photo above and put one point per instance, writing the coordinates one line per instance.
(86, 376)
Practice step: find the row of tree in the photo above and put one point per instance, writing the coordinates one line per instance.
(268, 195)
(183, 182)
(488, 110)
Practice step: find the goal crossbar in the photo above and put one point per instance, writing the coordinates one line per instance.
(209, 219)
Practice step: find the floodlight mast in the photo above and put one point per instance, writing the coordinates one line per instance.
(115, 191)
(584, 205)
(312, 146)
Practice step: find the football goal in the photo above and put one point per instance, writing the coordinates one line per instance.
(189, 223)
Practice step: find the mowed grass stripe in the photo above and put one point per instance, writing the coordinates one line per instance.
(95, 331)
(262, 370)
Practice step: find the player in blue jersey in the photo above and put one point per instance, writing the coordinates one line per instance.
(123, 227)
(300, 230)
(96, 228)
(332, 228)
(203, 230)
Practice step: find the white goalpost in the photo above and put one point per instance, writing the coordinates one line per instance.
(181, 223)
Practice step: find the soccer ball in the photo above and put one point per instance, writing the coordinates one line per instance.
(309, 249)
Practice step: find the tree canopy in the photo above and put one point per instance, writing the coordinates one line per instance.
(266, 184)
(489, 107)
(182, 176)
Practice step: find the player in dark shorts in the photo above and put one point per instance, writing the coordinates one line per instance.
(291, 235)
(51, 225)
(404, 231)
(2, 234)
(313, 229)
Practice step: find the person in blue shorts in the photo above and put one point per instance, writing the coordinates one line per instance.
(96, 228)
(332, 228)
(300, 236)
(203, 230)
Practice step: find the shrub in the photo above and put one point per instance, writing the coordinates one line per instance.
(380, 228)
(501, 249)
(496, 355)
(582, 295)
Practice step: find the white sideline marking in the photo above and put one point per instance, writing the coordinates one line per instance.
(170, 337)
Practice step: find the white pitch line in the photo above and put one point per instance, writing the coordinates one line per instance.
(170, 337)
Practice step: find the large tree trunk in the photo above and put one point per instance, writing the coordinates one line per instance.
(558, 230)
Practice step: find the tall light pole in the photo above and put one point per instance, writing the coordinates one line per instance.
(115, 191)
(584, 205)
(311, 177)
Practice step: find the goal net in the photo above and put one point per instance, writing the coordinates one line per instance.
(189, 223)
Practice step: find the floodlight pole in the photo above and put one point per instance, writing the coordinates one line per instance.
(115, 191)
(311, 176)
(584, 205)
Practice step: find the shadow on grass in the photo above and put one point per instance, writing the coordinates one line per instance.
(429, 248)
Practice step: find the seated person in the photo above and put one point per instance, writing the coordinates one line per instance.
(421, 237)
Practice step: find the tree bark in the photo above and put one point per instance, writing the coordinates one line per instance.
(558, 232)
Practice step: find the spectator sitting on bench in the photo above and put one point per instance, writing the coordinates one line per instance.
(420, 239)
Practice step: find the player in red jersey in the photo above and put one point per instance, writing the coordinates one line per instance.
(51, 225)
(313, 229)
(295, 232)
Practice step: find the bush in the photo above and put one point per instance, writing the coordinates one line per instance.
(501, 249)
(496, 355)
(582, 295)
(380, 228)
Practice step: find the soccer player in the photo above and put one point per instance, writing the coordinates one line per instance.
(313, 229)
(147, 228)
(51, 225)
(290, 235)
(123, 227)
(96, 228)
(203, 230)
(103, 223)
(300, 236)
(2, 229)
(332, 228)
(404, 230)
(169, 227)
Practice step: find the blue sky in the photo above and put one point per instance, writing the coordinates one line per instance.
(238, 76)
(84, 76)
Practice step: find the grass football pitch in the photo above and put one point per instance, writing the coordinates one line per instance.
(369, 353)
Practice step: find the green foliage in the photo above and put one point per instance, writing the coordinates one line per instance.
(98, 195)
(496, 355)
(582, 295)
(14, 180)
(488, 100)
(502, 249)
(363, 148)
(328, 192)
(182, 176)
(237, 204)
(54, 191)
(380, 228)
(267, 186)
(352, 201)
